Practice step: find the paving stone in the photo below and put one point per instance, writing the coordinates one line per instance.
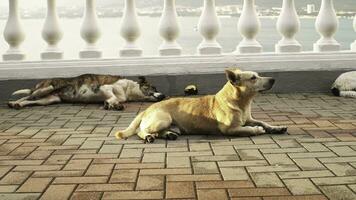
(339, 192)
(309, 164)
(278, 159)
(334, 180)
(266, 180)
(133, 195)
(15, 178)
(15, 196)
(224, 184)
(178, 162)
(205, 168)
(86, 187)
(35, 185)
(150, 183)
(99, 170)
(305, 174)
(8, 188)
(180, 190)
(122, 176)
(153, 157)
(250, 154)
(214, 194)
(210, 177)
(341, 169)
(59, 192)
(301, 186)
(86, 196)
(234, 173)
(255, 192)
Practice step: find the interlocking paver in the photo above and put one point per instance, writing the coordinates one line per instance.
(70, 152)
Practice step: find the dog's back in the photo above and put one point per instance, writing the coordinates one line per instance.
(89, 79)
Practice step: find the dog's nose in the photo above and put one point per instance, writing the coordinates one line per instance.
(159, 96)
(271, 81)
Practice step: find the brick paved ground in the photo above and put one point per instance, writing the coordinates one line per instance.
(69, 152)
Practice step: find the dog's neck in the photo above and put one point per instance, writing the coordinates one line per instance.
(234, 97)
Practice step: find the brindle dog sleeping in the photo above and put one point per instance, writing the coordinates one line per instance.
(88, 88)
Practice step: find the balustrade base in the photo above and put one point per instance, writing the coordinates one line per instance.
(209, 50)
(51, 55)
(131, 52)
(248, 49)
(170, 52)
(13, 56)
(353, 46)
(326, 47)
(288, 48)
(90, 54)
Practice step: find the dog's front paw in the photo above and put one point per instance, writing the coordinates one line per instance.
(111, 106)
(258, 130)
(150, 139)
(277, 130)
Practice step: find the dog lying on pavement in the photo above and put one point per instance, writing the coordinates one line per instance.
(228, 112)
(345, 85)
(88, 88)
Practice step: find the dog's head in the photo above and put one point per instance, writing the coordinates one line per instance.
(150, 91)
(249, 82)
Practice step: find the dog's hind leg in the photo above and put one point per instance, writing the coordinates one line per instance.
(153, 125)
(43, 102)
(16, 104)
(42, 92)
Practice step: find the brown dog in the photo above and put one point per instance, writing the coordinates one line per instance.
(228, 112)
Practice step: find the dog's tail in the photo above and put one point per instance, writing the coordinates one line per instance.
(131, 130)
(22, 92)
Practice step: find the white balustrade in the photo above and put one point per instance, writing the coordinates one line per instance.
(209, 26)
(52, 33)
(130, 31)
(169, 30)
(13, 33)
(248, 26)
(90, 32)
(288, 25)
(353, 45)
(326, 24)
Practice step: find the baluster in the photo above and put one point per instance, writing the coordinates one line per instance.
(249, 25)
(130, 31)
(353, 45)
(288, 25)
(90, 32)
(169, 30)
(52, 33)
(13, 33)
(209, 26)
(326, 24)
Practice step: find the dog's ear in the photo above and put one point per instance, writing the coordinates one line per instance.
(142, 80)
(232, 77)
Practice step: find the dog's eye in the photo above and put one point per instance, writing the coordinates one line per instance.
(253, 78)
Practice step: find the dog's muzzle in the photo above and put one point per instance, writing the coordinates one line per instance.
(269, 84)
(159, 96)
